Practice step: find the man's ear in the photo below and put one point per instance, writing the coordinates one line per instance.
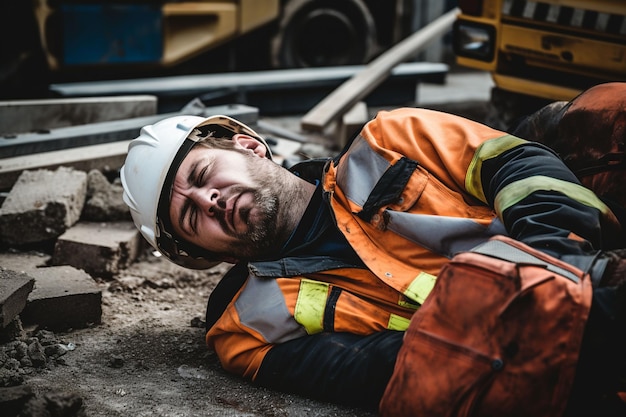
(248, 142)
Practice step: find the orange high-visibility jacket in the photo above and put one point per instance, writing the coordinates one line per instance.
(414, 188)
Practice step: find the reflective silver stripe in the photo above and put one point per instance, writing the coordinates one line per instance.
(441, 234)
(363, 167)
(359, 171)
(566, 16)
(553, 13)
(602, 22)
(261, 307)
(506, 7)
(577, 18)
(529, 9)
(504, 251)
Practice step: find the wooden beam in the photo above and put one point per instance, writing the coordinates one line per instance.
(351, 122)
(360, 85)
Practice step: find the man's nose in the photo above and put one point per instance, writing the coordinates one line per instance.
(208, 200)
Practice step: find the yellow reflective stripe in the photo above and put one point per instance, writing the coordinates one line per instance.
(421, 286)
(408, 304)
(398, 322)
(485, 151)
(518, 190)
(310, 305)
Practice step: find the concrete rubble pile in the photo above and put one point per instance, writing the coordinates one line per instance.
(60, 231)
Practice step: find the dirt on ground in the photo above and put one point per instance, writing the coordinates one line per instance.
(148, 356)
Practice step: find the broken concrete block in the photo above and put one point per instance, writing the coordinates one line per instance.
(12, 399)
(42, 205)
(104, 200)
(13, 331)
(101, 249)
(63, 297)
(17, 116)
(14, 290)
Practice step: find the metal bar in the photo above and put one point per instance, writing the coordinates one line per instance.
(103, 132)
(229, 83)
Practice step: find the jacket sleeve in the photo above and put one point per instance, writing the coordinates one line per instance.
(539, 200)
(240, 349)
(341, 368)
(542, 203)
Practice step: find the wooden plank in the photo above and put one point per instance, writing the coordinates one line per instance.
(361, 84)
(351, 123)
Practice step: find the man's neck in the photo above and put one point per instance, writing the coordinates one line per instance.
(295, 197)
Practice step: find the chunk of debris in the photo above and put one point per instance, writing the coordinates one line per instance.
(104, 199)
(42, 205)
(12, 331)
(56, 403)
(12, 399)
(14, 290)
(28, 354)
(64, 297)
(101, 249)
(116, 361)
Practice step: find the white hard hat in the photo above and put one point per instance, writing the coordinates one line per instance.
(148, 173)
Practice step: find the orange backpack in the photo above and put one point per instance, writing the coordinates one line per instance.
(499, 335)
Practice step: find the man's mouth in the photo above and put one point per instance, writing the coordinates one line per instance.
(229, 213)
(238, 216)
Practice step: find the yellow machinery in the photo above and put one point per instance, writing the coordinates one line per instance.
(550, 49)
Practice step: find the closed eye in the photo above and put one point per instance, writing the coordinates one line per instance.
(188, 218)
(200, 178)
(193, 219)
(197, 179)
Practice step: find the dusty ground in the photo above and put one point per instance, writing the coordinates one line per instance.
(148, 357)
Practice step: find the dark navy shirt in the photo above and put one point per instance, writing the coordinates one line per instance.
(317, 234)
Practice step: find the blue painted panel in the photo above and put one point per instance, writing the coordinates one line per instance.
(111, 34)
